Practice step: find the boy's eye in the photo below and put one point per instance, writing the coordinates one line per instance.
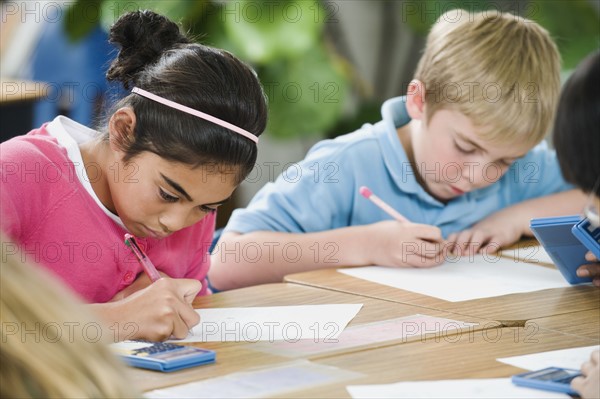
(464, 150)
(167, 197)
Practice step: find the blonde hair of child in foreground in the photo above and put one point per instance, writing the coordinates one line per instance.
(50, 346)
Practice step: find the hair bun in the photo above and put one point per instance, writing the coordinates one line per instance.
(142, 37)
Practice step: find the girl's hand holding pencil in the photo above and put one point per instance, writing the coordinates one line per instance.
(155, 306)
(160, 311)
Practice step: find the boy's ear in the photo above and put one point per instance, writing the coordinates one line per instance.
(121, 127)
(415, 99)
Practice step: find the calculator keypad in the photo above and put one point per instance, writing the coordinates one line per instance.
(156, 348)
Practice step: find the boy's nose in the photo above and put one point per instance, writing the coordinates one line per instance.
(468, 176)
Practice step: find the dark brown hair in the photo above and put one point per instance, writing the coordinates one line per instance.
(155, 56)
(575, 134)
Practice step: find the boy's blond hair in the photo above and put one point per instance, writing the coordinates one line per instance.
(500, 70)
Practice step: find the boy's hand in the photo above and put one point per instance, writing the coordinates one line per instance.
(588, 385)
(393, 243)
(591, 269)
(489, 235)
(155, 313)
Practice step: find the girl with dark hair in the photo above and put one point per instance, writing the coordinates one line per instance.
(170, 153)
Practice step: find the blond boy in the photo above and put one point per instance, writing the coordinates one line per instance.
(461, 156)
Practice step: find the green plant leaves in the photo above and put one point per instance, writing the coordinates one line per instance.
(267, 31)
(574, 25)
(81, 18)
(306, 95)
(282, 39)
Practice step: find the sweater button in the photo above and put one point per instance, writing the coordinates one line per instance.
(128, 277)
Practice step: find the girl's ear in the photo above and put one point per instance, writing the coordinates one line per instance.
(121, 127)
(415, 99)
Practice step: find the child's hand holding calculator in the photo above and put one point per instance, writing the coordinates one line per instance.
(567, 239)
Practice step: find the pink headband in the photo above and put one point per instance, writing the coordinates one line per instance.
(194, 112)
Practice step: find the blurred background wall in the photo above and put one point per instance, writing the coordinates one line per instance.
(326, 65)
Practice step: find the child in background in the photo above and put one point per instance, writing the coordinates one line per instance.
(576, 139)
(159, 170)
(51, 347)
(459, 156)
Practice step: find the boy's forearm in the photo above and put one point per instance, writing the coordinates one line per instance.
(241, 260)
(560, 204)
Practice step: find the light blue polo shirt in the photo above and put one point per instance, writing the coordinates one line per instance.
(322, 191)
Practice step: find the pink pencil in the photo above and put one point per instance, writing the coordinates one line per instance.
(141, 256)
(368, 194)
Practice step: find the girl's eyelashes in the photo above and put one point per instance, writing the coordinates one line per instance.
(166, 196)
(170, 198)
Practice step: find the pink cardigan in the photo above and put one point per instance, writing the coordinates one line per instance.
(56, 223)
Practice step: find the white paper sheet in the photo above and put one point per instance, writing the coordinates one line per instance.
(270, 381)
(565, 358)
(275, 323)
(465, 279)
(531, 254)
(127, 347)
(449, 389)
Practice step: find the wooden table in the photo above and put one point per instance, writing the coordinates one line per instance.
(16, 105)
(509, 325)
(238, 356)
(582, 324)
(471, 356)
(16, 90)
(513, 309)
(510, 310)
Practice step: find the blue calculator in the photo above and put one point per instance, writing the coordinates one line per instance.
(588, 235)
(162, 356)
(555, 379)
(565, 248)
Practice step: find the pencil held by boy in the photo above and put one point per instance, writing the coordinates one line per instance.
(461, 156)
(169, 153)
